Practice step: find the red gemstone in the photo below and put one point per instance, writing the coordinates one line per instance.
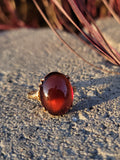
(56, 93)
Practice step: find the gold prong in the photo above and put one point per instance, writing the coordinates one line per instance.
(42, 80)
(74, 88)
(67, 77)
(34, 95)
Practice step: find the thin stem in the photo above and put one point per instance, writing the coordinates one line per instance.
(67, 45)
(111, 11)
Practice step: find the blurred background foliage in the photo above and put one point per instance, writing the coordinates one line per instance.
(23, 13)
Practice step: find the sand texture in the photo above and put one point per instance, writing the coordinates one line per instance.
(91, 130)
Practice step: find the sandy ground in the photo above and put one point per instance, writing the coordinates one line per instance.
(91, 130)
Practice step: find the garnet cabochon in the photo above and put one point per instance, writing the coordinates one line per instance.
(56, 93)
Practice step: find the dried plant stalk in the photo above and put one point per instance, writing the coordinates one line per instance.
(111, 11)
(94, 39)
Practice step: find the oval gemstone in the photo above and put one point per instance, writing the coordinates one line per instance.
(56, 93)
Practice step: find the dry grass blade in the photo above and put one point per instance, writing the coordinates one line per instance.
(47, 21)
(79, 29)
(62, 19)
(94, 34)
(111, 11)
(97, 44)
(10, 20)
(96, 39)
